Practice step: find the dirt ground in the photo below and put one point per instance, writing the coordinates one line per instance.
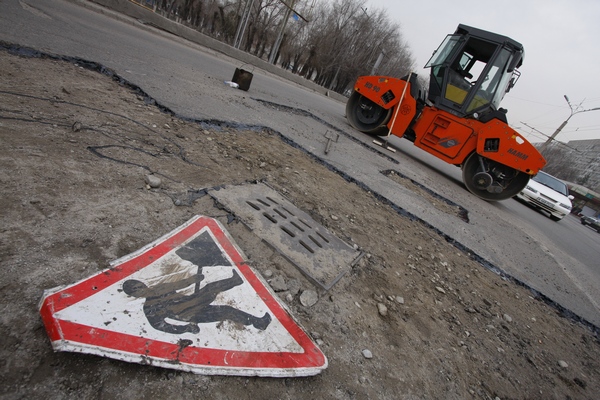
(76, 148)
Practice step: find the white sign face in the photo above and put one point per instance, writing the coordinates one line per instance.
(187, 301)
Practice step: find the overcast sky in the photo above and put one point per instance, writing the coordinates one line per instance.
(562, 54)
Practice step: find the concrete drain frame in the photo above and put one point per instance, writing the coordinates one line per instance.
(319, 255)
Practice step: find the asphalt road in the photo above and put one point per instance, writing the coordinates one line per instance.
(568, 235)
(188, 79)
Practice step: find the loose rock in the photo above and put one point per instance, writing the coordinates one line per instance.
(268, 274)
(294, 286)
(153, 181)
(278, 284)
(309, 298)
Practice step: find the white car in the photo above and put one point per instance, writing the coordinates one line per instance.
(545, 192)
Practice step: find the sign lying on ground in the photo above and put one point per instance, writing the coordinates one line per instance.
(187, 301)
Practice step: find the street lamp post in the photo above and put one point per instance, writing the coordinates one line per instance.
(557, 131)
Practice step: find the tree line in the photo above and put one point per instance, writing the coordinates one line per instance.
(330, 42)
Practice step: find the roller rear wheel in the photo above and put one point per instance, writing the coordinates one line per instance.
(490, 180)
(367, 116)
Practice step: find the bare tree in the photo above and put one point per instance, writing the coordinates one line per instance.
(333, 43)
(262, 25)
(343, 41)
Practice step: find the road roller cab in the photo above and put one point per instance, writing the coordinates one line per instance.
(471, 72)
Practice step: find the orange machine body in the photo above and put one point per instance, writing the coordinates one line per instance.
(444, 135)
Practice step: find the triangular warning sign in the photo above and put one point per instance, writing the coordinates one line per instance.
(187, 301)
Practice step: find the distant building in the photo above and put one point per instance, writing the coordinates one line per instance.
(578, 164)
(586, 202)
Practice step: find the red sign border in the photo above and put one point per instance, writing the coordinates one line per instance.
(60, 330)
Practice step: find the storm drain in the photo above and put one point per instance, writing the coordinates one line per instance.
(321, 256)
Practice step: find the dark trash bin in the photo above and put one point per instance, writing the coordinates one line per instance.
(243, 78)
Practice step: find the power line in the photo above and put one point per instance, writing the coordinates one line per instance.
(576, 110)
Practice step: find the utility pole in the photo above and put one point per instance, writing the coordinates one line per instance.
(275, 49)
(381, 51)
(239, 35)
(557, 131)
(378, 62)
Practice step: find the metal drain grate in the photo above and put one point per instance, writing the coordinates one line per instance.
(320, 255)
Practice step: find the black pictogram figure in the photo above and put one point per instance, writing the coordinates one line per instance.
(163, 301)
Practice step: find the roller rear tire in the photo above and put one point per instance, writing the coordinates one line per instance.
(367, 116)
